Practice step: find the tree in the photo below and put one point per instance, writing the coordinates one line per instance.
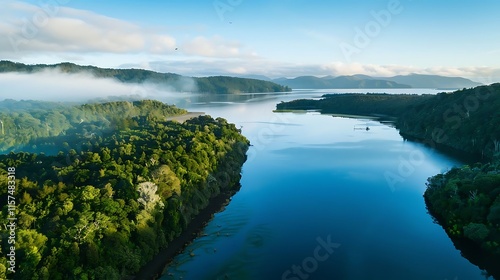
(148, 196)
(167, 181)
(30, 245)
(477, 232)
(89, 193)
(494, 215)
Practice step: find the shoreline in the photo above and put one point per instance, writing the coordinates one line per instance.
(185, 117)
(155, 267)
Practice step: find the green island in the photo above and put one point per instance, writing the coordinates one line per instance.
(178, 83)
(119, 184)
(465, 201)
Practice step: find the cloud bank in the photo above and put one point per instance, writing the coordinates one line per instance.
(55, 28)
(52, 85)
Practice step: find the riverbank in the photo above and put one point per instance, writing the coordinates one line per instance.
(155, 267)
(465, 157)
(185, 117)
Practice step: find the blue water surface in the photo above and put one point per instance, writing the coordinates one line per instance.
(322, 198)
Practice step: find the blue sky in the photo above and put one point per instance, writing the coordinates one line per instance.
(274, 38)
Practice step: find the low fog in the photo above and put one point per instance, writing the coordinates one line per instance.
(52, 85)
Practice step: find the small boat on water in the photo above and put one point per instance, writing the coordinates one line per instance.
(361, 128)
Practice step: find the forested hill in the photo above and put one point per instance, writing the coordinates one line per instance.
(111, 199)
(357, 104)
(42, 126)
(216, 84)
(467, 120)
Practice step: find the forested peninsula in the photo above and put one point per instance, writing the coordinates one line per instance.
(466, 120)
(465, 201)
(176, 82)
(123, 186)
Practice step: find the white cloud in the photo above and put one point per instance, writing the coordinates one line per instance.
(162, 44)
(31, 28)
(215, 46)
(481, 74)
(28, 30)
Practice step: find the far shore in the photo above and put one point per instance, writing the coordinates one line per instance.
(352, 116)
(185, 117)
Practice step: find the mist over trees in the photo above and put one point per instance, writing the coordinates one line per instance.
(110, 199)
(169, 82)
(31, 125)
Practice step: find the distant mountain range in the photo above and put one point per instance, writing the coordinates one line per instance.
(356, 81)
(433, 81)
(364, 81)
(248, 83)
(215, 84)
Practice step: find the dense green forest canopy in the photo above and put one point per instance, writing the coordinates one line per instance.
(11, 105)
(218, 84)
(357, 103)
(29, 125)
(112, 198)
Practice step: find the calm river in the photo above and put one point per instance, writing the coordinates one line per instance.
(322, 198)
